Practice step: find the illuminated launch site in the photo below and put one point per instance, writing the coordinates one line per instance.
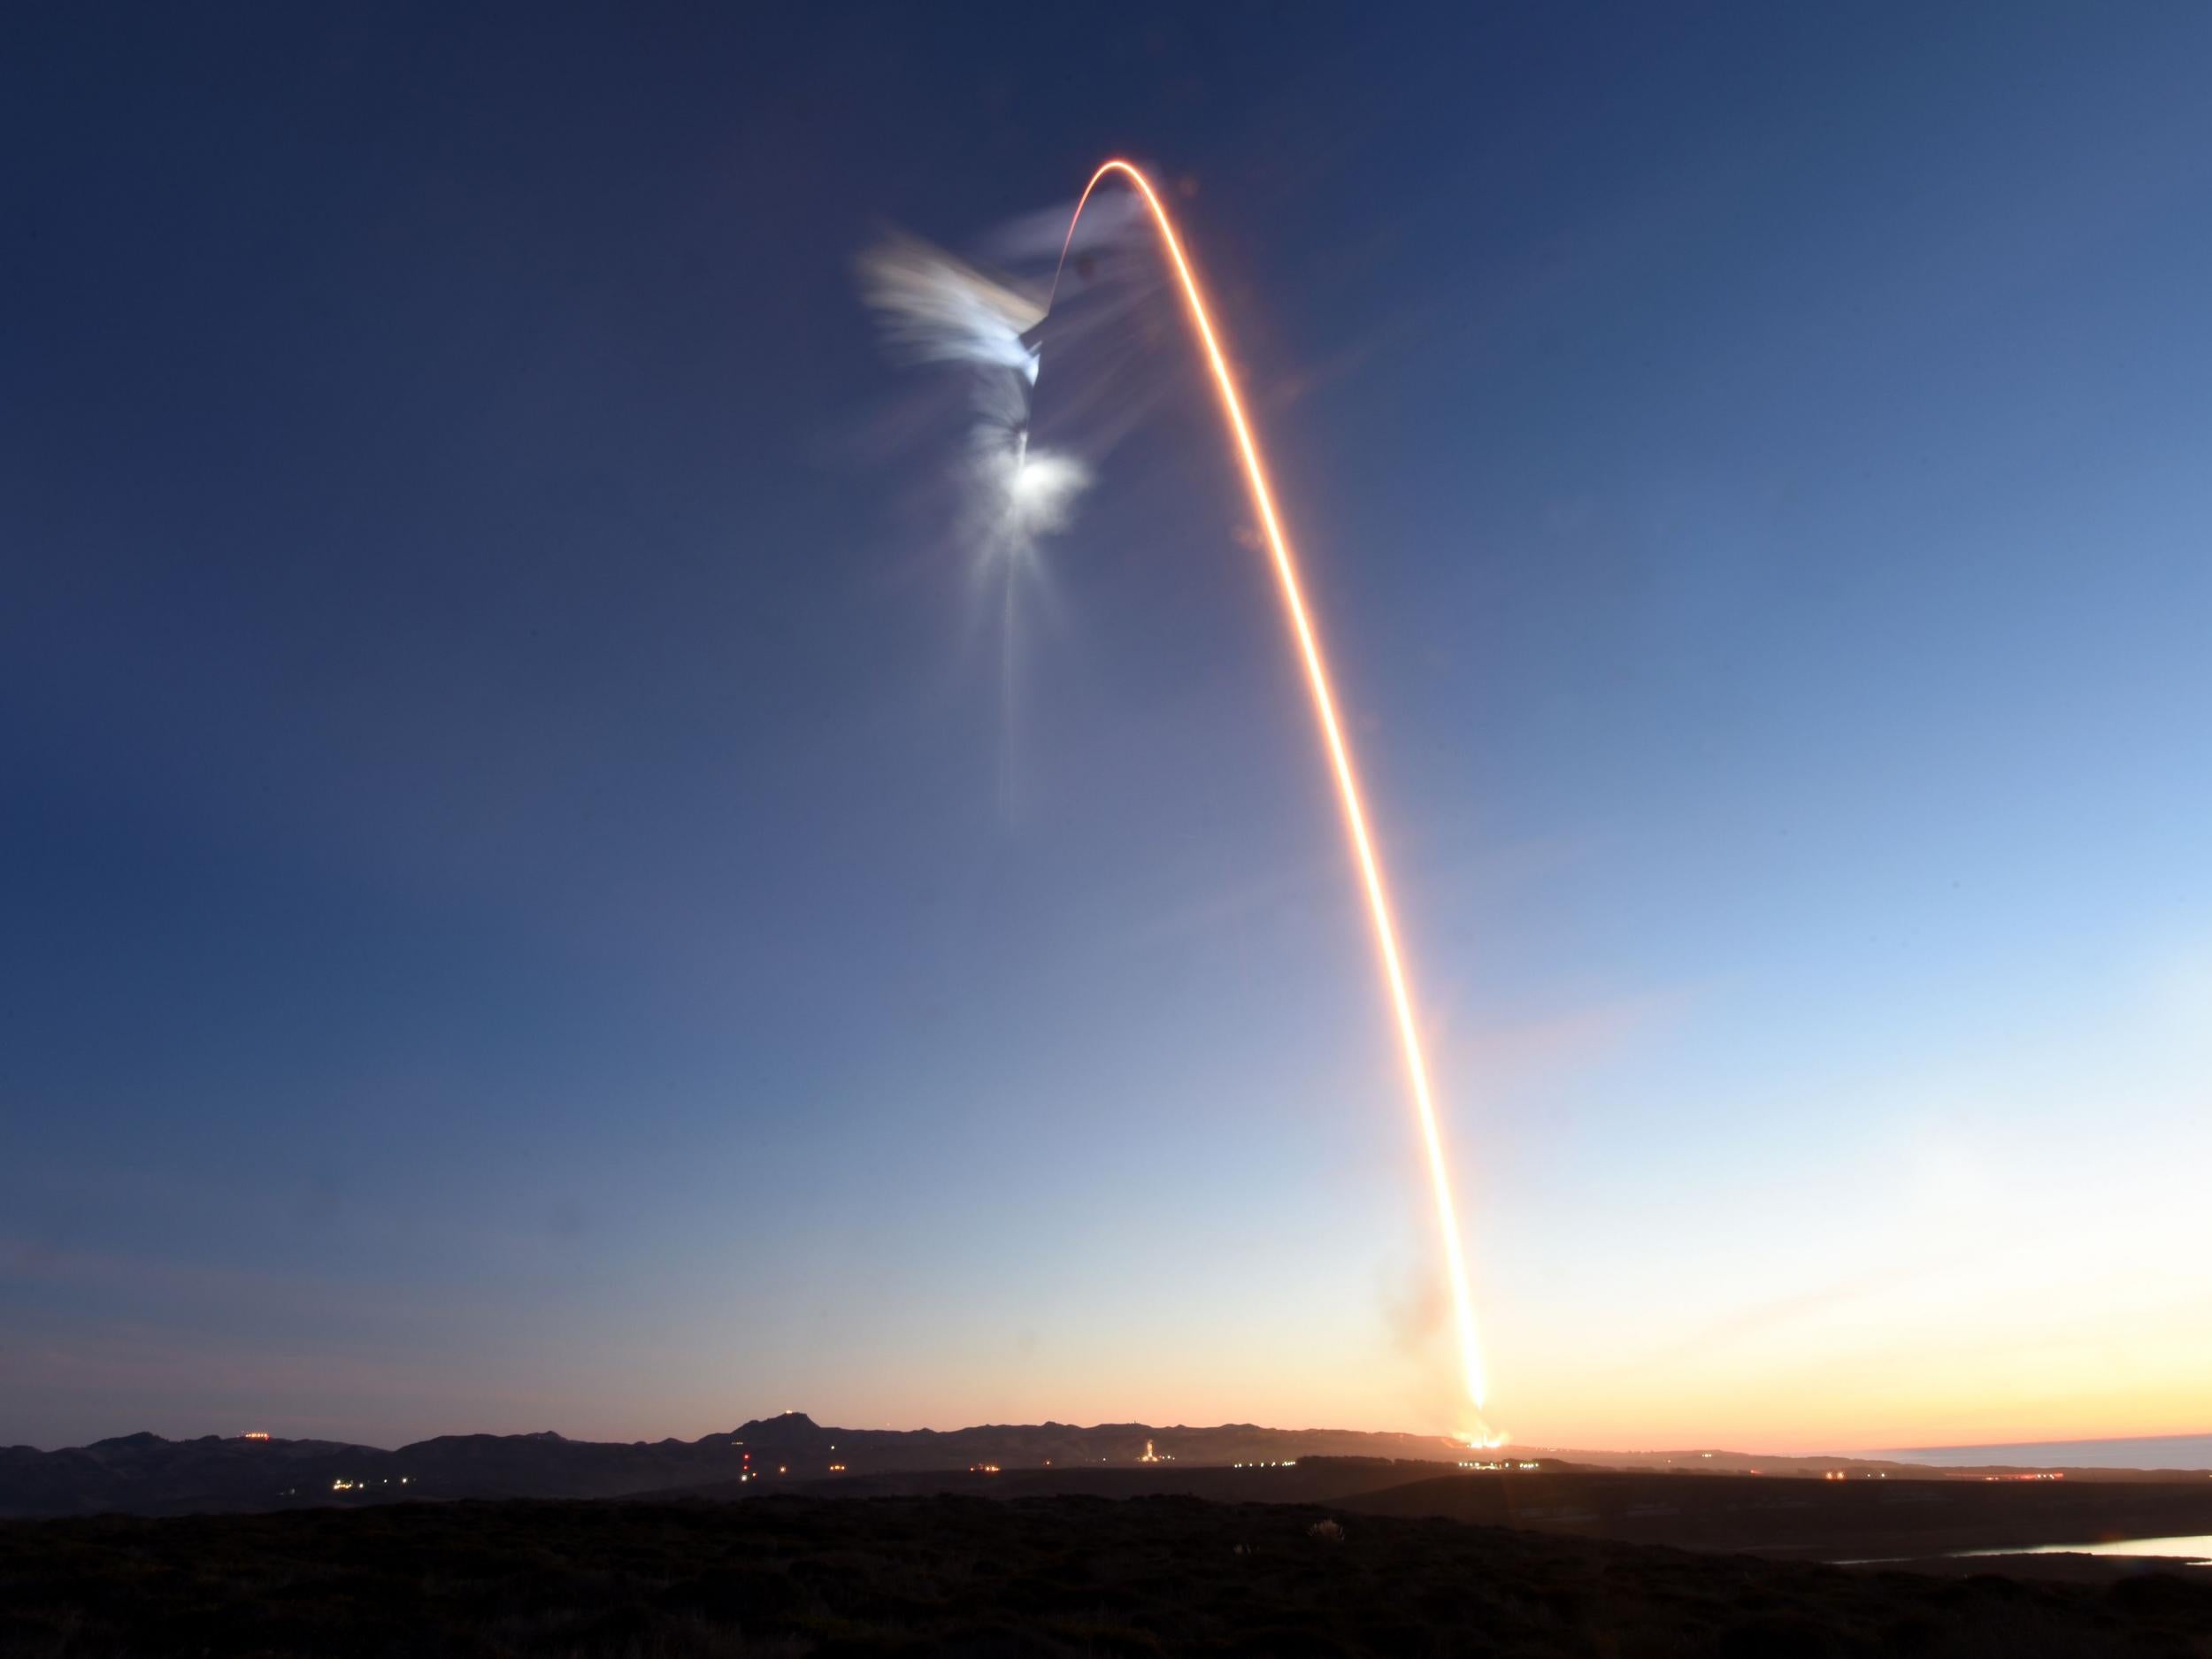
(1370, 865)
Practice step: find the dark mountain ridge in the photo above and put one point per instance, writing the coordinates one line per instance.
(146, 1474)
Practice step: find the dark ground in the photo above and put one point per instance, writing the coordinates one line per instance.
(1789, 1516)
(1810, 1519)
(1063, 1575)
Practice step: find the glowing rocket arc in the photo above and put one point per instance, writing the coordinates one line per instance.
(1339, 755)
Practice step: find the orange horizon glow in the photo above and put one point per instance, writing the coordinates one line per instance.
(1339, 759)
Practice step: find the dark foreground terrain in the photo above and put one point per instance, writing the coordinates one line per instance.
(945, 1574)
(1791, 1516)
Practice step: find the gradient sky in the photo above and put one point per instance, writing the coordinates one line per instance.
(507, 919)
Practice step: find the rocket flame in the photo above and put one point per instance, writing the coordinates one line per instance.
(1339, 758)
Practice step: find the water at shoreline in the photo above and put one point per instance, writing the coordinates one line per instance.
(2195, 1551)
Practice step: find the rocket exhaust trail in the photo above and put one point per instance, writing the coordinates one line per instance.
(1339, 755)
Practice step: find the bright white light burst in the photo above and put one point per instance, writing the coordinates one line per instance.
(1033, 493)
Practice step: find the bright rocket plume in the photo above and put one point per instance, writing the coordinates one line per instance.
(1339, 759)
(936, 308)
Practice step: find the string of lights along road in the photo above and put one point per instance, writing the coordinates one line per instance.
(1339, 759)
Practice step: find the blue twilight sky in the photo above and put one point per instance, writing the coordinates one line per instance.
(508, 915)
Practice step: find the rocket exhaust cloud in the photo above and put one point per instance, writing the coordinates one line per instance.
(936, 308)
(932, 308)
